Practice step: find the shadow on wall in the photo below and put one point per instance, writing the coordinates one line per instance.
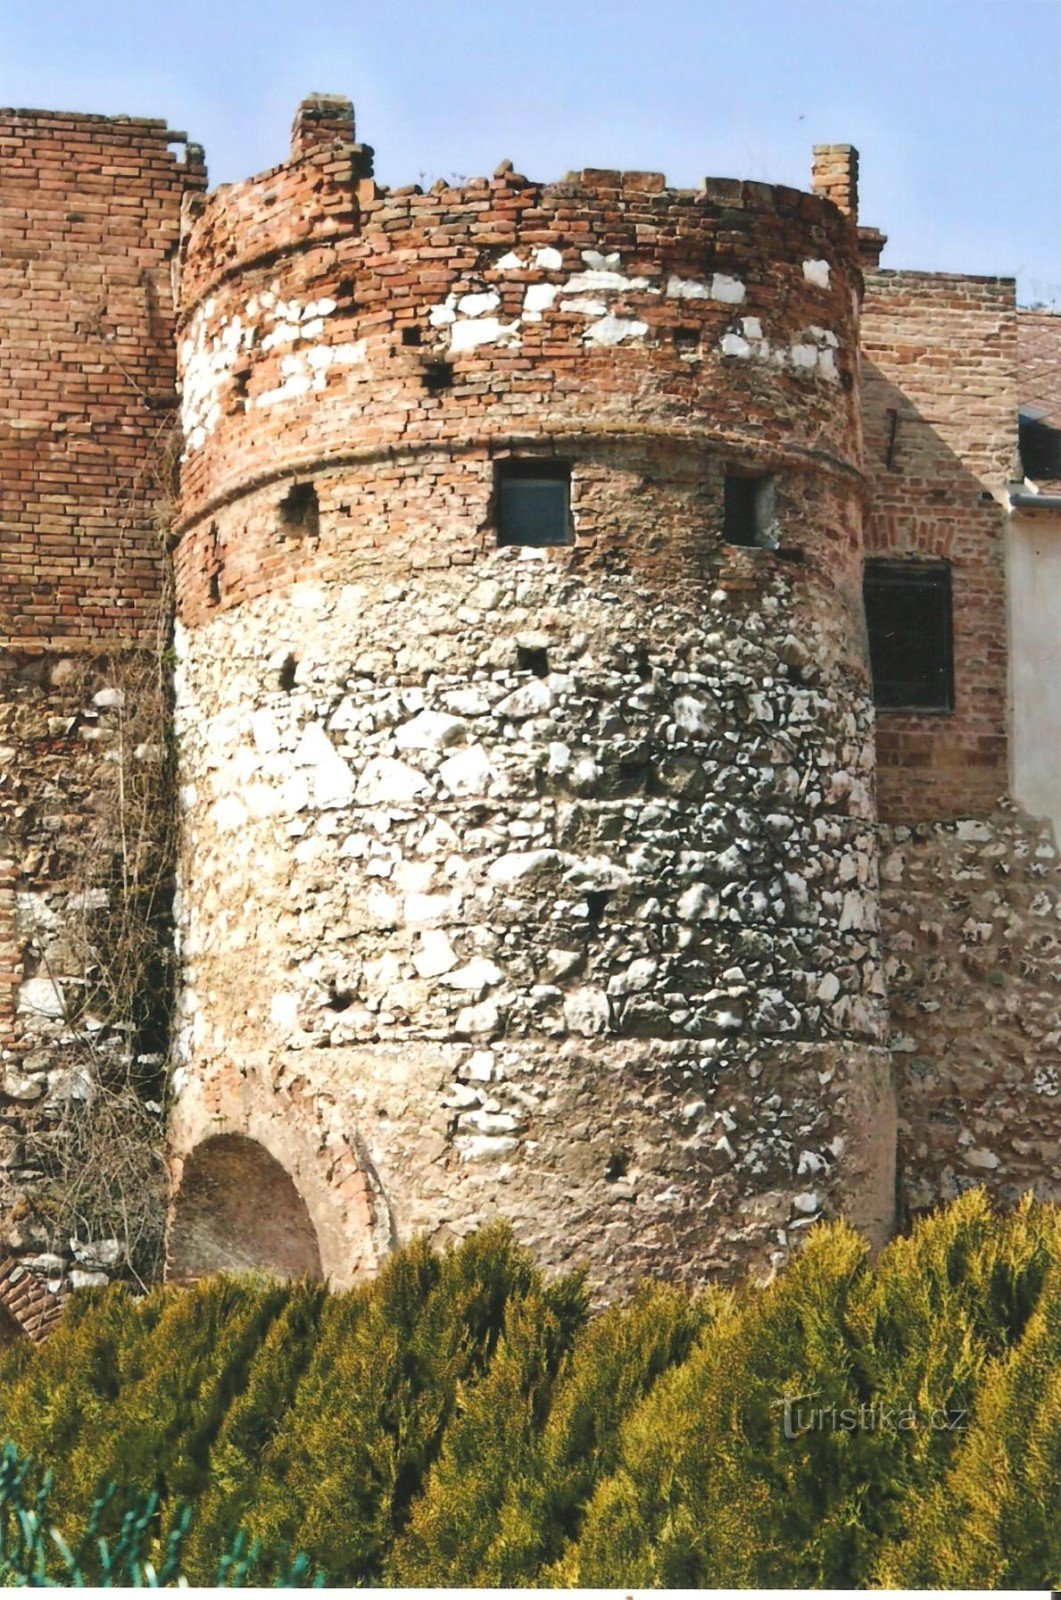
(927, 505)
(237, 1210)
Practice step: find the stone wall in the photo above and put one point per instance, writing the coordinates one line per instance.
(939, 401)
(972, 928)
(595, 949)
(82, 780)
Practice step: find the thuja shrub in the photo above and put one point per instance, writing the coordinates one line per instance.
(810, 1421)
(994, 1521)
(519, 1466)
(369, 1416)
(461, 1420)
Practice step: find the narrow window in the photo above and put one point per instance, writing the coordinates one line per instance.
(214, 566)
(533, 503)
(908, 618)
(749, 512)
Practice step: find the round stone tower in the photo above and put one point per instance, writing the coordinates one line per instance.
(524, 722)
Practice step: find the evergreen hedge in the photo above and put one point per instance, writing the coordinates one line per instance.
(462, 1421)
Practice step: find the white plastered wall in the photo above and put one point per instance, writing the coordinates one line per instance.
(1034, 562)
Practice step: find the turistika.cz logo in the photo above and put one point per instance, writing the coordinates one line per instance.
(800, 1415)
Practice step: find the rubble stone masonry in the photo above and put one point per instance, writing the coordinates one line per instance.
(532, 882)
(89, 223)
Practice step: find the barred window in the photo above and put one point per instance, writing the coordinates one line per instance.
(908, 618)
(533, 503)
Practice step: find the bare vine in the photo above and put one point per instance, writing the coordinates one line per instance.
(99, 1143)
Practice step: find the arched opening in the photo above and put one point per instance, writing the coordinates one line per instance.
(237, 1210)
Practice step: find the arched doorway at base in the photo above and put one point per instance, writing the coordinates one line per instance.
(238, 1210)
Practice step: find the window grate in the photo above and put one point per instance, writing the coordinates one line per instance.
(533, 504)
(909, 621)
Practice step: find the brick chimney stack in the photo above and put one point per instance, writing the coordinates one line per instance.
(834, 176)
(321, 119)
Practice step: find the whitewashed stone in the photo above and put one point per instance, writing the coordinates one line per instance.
(436, 954)
(468, 772)
(430, 730)
(521, 864)
(41, 997)
(331, 780)
(389, 782)
(587, 1011)
(531, 699)
(478, 974)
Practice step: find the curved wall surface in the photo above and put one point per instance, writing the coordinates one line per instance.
(538, 882)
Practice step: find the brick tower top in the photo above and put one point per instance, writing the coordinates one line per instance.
(325, 319)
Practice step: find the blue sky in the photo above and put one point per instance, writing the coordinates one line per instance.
(952, 103)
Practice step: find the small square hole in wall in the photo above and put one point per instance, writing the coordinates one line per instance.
(411, 335)
(533, 503)
(749, 515)
(437, 376)
(300, 512)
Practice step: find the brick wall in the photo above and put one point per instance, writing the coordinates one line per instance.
(89, 218)
(939, 402)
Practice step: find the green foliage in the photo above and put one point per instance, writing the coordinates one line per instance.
(459, 1421)
(372, 1408)
(33, 1553)
(881, 1367)
(490, 1444)
(994, 1522)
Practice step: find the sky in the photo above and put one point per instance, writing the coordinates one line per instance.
(953, 104)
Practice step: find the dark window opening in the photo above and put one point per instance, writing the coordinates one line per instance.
(214, 565)
(686, 340)
(749, 512)
(410, 336)
(286, 676)
(533, 503)
(1040, 444)
(532, 658)
(300, 512)
(596, 904)
(908, 618)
